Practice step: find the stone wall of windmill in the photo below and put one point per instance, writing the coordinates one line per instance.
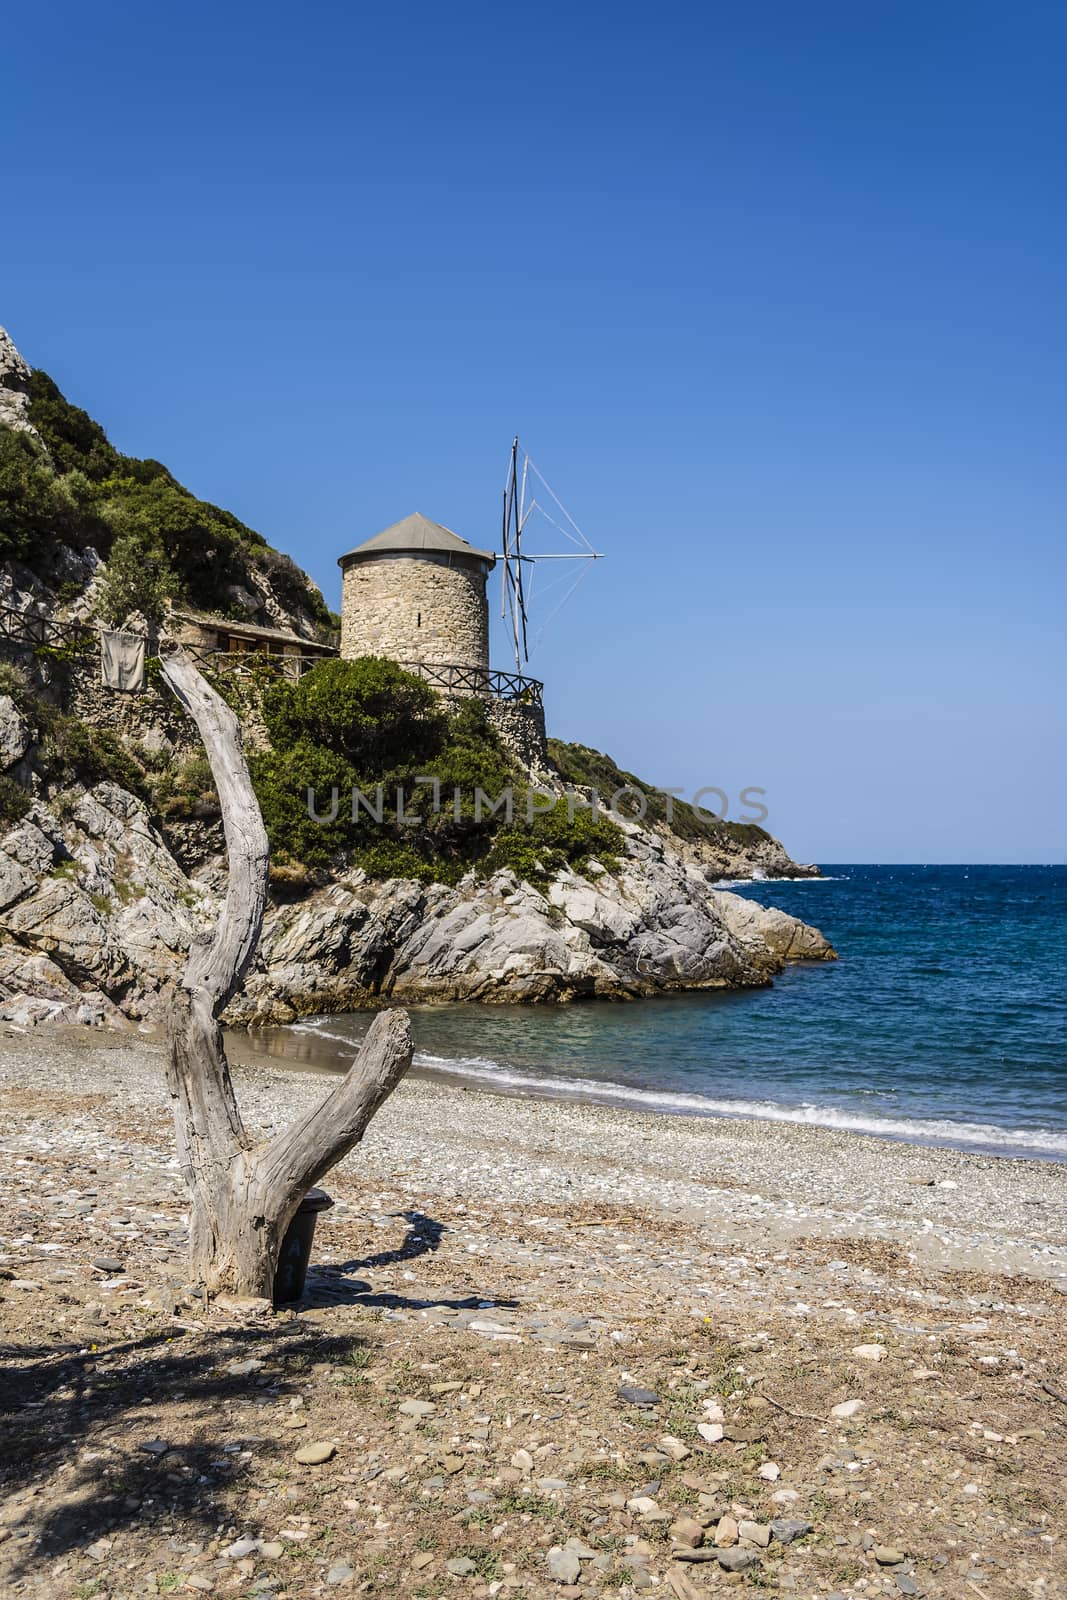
(417, 594)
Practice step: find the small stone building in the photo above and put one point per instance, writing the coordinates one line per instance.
(416, 593)
(199, 631)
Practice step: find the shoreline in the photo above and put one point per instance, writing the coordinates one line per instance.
(766, 1183)
(276, 1048)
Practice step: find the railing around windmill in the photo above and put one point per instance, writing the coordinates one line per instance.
(449, 678)
(454, 679)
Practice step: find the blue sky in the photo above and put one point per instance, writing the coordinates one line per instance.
(773, 293)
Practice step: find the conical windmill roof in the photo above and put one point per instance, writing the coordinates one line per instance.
(417, 533)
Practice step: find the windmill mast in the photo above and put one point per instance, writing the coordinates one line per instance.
(517, 512)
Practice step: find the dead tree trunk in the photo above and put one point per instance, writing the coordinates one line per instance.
(243, 1195)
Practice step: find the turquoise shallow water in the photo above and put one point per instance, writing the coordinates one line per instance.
(945, 1021)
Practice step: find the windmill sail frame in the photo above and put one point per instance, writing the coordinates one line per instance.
(517, 510)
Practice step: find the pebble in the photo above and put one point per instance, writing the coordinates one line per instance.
(563, 1565)
(109, 1264)
(870, 1352)
(523, 1460)
(461, 1566)
(313, 1455)
(674, 1448)
(888, 1555)
(241, 1548)
(770, 1472)
(687, 1531)
(737, 1560)
(416, 1408)
(847, 1409)
(154, 1447)
(710, 1432)
(786, 1529)
(634, 1395)
(756, 1533)
(726, 1532)
(340, 1572)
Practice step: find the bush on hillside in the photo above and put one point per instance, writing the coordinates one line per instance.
(74, 486)
(370, 711)
(371, 726)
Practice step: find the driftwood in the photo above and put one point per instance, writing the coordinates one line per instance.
(243, 1195)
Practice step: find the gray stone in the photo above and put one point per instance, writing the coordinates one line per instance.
(737, 1560)
(340, 1572)
(634, 1395)
(461, 1566)
(786, 1529)
(563, 1565)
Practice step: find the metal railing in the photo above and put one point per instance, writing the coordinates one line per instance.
(455, 679)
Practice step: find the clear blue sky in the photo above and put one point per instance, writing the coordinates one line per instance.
(774, 293)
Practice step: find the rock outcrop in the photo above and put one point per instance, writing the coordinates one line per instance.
(96, 917)
(14, 387)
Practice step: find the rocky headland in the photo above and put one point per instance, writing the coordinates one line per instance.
(111, 850)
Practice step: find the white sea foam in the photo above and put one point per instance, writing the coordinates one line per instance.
(915, 1130)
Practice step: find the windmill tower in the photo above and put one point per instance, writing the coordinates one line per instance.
(416, 593)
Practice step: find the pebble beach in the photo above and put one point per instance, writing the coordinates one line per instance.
(860, 1337)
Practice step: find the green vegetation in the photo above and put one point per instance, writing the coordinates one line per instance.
(14, 801)
(589, 769)
(161, 541)
(369, 726)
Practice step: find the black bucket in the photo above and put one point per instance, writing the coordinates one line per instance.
(295, 1252)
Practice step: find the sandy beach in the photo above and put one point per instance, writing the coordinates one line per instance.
(496, 1275)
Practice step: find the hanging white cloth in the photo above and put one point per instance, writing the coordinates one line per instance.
(122, 661)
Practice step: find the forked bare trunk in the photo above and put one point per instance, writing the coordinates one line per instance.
(243, 1195)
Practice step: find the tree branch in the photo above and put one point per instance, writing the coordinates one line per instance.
(299, 1155)
(218, 965)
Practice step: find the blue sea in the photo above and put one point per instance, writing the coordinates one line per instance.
(944, 1021)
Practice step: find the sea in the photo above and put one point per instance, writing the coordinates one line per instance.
(944, 1022)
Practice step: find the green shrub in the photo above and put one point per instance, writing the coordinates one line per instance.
(77, 751)
(35, 510)
(14, 801)
(590, 769)
(367, 724)
(71, 436)
(180, 793)
(139, 578)
(282, 779)
(370, 711)
(555, 839)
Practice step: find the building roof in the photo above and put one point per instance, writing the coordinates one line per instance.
(207, 619)
(417, 533)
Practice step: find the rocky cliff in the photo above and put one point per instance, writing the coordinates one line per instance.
(96, 917)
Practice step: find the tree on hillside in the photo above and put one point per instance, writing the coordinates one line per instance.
(244, 1194)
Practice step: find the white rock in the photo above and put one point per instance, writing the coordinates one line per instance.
(770, 1471)
(710, 1432)
(870, 1352)
(847, 1409)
